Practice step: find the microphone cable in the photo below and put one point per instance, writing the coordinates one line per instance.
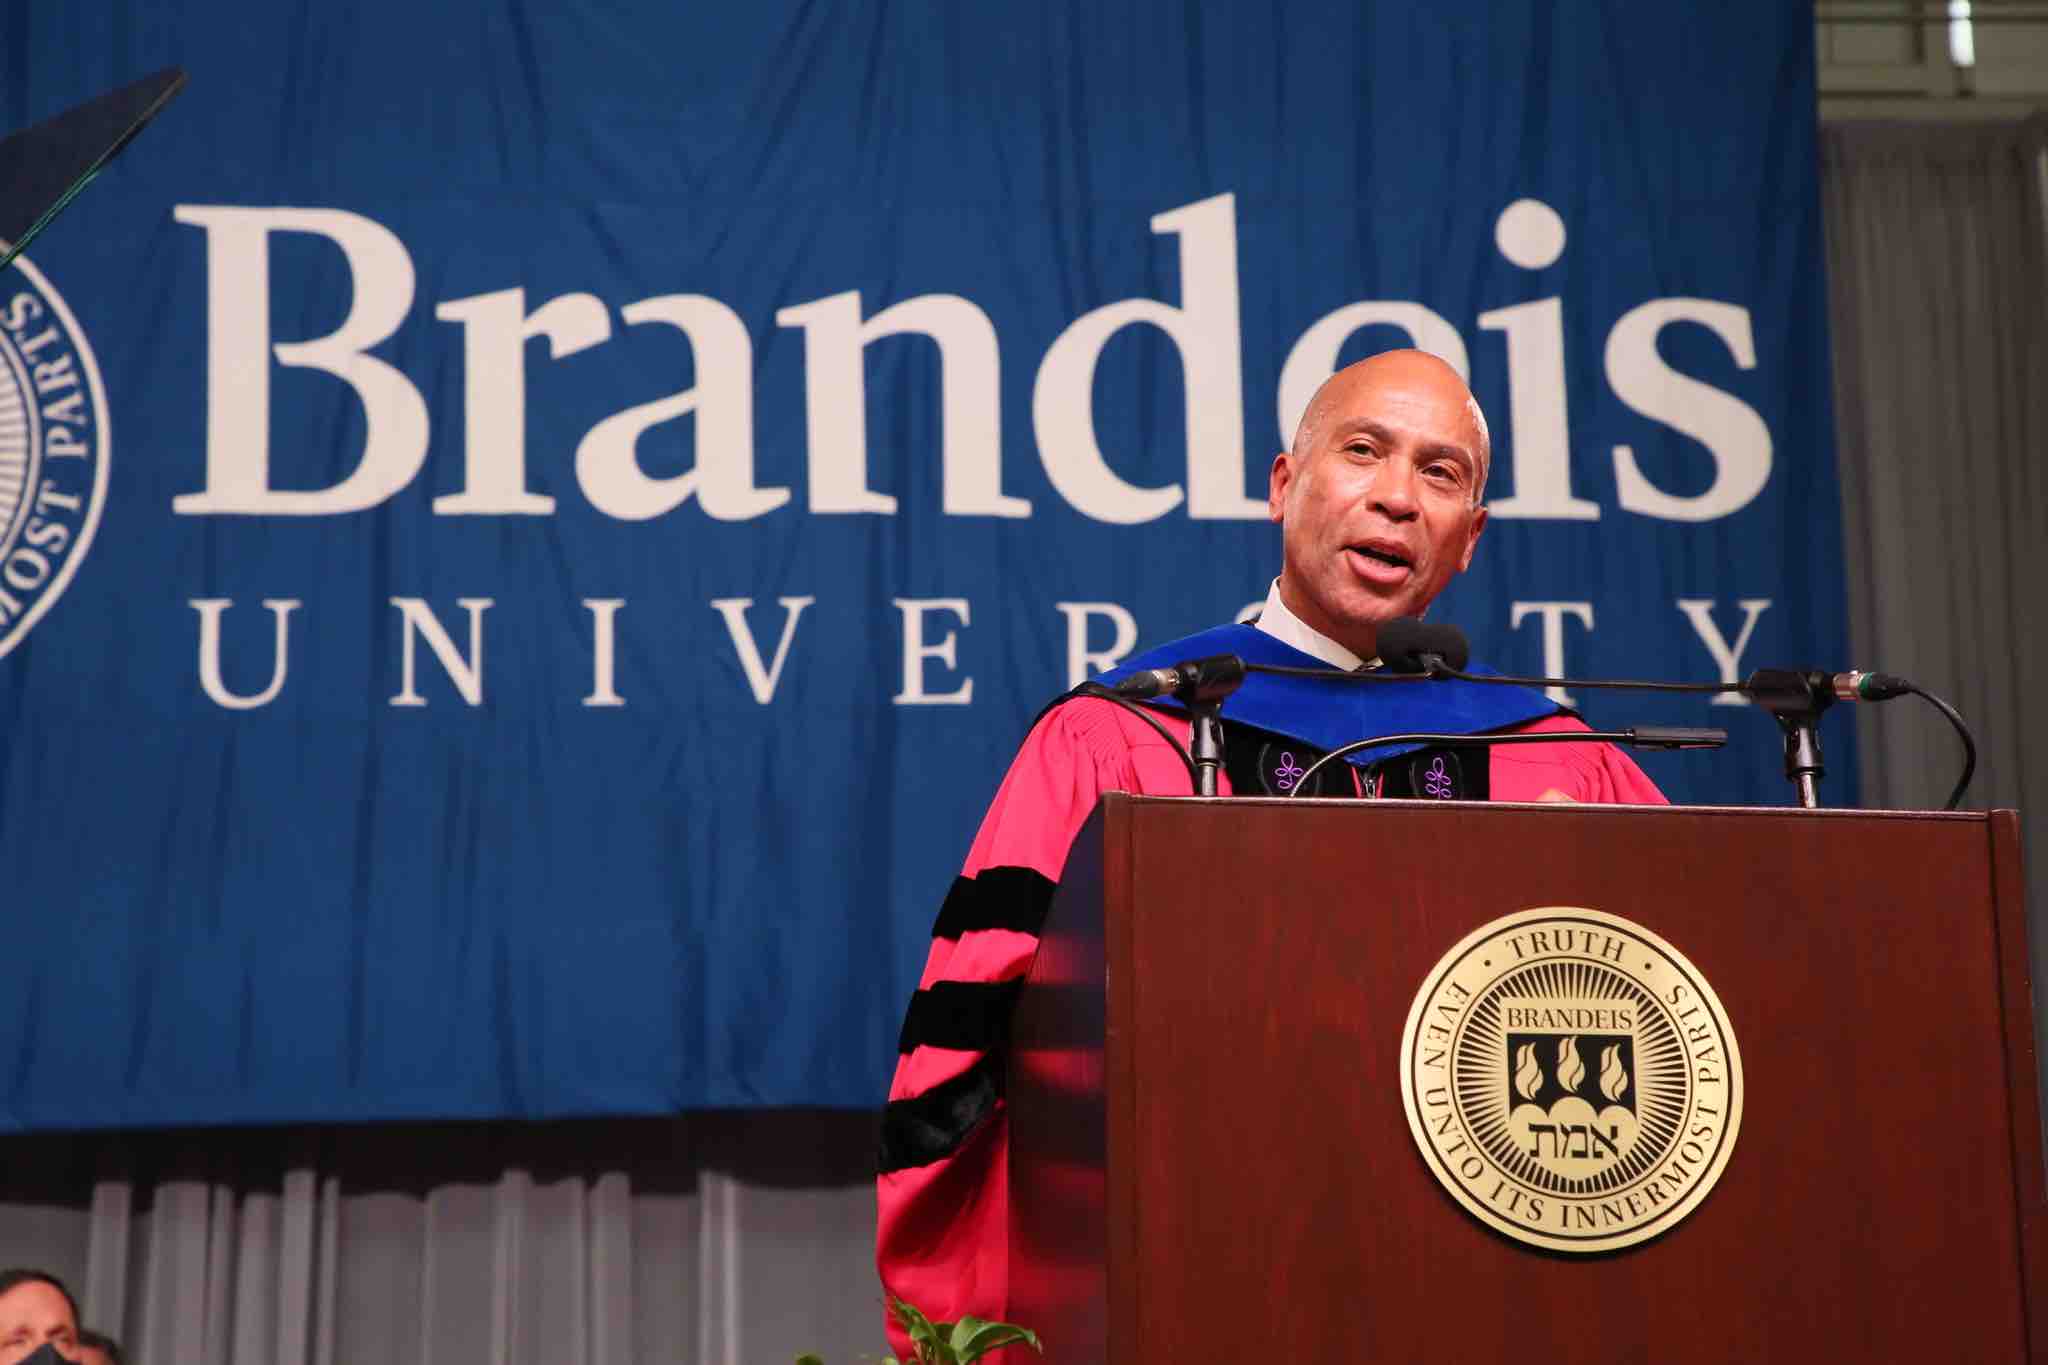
(1962, 729)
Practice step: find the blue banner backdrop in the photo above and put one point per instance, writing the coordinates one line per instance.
(531, 532)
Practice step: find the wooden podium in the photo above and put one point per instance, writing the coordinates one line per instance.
(1210, 1159)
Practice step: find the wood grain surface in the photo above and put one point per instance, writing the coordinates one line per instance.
(1210, 1159)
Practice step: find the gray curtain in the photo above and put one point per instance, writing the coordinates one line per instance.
(719, 1237)
(746, 1237)
(1938, 297)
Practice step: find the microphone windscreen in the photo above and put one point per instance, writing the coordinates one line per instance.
(1405, 639)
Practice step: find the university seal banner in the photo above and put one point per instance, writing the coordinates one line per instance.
(529, 533)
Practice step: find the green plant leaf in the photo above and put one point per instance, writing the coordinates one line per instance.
(963, 1331)
(927, 1336)
(808, 1359)
(990, 1336)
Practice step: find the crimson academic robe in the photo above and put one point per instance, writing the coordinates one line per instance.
(942, 1239)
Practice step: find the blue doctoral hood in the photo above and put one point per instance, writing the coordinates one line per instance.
(1329, 714)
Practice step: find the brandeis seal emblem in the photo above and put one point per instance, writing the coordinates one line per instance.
(1571, 1079)
(53, 448)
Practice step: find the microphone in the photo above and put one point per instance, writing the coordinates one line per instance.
(1201, 685)
(1195, 681)
(1409, 644)
(1774, 687)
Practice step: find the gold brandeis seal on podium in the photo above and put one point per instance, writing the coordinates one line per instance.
(1571, 1078)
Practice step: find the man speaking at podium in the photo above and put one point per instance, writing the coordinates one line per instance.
(1379, 507)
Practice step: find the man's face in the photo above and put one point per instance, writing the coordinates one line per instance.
(31, 1314)
(1377, 501)
(93, 1355)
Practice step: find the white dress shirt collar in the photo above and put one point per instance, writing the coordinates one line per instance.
(1284, 626)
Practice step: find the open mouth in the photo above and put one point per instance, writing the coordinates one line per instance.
(1382, 555)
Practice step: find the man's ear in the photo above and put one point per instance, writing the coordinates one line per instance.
(1277, 480)
(1472, 539)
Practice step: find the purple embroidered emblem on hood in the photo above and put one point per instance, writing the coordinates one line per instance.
(1437, 782)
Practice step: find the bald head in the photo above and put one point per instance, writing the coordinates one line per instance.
(1379, 500)
(1357, 384)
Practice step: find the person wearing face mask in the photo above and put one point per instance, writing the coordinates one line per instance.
(38, 1319)
(1380, 504)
